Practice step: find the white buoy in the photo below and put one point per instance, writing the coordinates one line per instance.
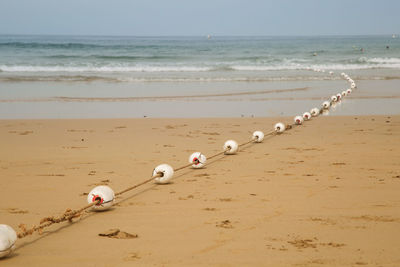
(344, 93)
(279, 127)
(306, 116)
(198, 160)
(258, 136)
(166, 172)
(231, 147)
(353, 85)
(326, 104)
(333, 98)
(331, 72)
(339, 97)
(101, 193)
(349, 91)
(342, 74)
(298, 120)
(314, 112)
(8, 237)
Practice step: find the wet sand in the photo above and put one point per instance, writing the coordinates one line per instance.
(77, 100)
(323, 194)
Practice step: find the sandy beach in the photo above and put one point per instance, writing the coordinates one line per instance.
(323, 194)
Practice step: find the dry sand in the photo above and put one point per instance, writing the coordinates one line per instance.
(326, 193)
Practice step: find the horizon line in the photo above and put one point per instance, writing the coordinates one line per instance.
(202, 35)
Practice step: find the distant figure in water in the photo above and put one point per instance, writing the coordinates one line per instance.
(387, 47)
(362, 50)
(315, 54)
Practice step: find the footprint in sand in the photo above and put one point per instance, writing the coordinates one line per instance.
(102, 182)
(186, 198)
(25, 132)
(51, 174)
(16, 211)
(210, 209)
(210, 133)
(338, 163)
(21, 133)
(225, 224)
(202, 175)
(132, 257)
(116, 233)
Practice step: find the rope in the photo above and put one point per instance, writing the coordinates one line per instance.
(139, 184)
(69, 214)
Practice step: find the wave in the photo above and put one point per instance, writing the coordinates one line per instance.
(49, 45)
(372, 63)
(113, 57)
(90, 78)
(107, 68)
(384, 60)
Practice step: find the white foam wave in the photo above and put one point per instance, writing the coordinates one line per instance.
(25, 68)
(373, 63)
(384, 60)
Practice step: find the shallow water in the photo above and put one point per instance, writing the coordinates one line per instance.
(96, 77)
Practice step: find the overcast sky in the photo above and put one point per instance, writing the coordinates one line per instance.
(201, 17)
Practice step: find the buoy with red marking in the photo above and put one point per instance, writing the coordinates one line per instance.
(231, 147)
(279, 127)
(165, 173)
(314, 112)
(101, 193)
(198, 160)
(258, 136)
(8, 237)
(298, 120)
(306, 116)
(326, 104)
(339, 97)
(349, 91)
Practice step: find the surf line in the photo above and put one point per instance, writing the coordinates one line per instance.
(103, 197)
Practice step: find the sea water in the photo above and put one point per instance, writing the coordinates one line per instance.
(97, 76)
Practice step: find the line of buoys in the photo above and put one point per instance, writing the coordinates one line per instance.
(103, 197)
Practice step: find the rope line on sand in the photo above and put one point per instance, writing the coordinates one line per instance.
(102, 197)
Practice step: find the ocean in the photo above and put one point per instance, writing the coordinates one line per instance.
(100, 76)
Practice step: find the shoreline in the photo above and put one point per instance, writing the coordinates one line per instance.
(172, 100)
(323, 189)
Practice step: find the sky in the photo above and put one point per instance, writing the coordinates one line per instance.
(201, 17)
